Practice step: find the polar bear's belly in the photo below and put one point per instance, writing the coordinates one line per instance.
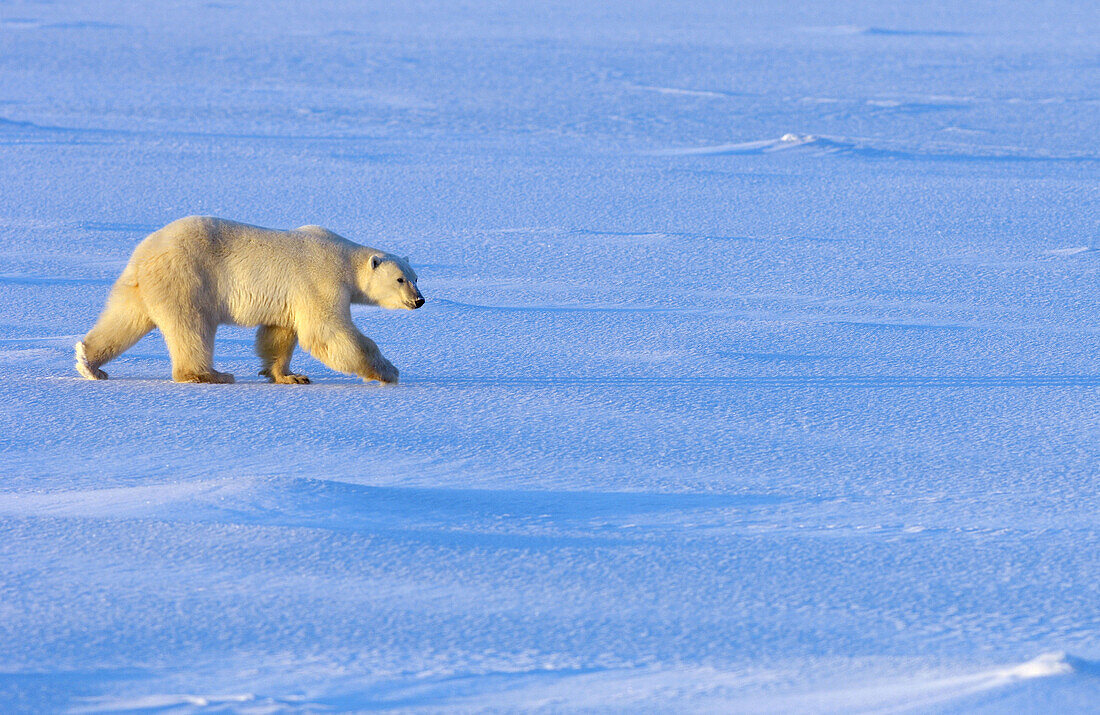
(250, 302)
(251, 308)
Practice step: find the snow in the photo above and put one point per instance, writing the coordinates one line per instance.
(759, 369)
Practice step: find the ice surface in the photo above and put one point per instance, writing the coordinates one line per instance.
(759, 369)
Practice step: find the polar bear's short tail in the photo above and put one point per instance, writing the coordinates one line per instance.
(86, 369)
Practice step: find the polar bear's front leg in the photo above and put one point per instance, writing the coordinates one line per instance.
(275, 346)
(381, 369)
(190, 341)
(343, 348)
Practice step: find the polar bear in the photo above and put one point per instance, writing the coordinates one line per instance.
(201, 272)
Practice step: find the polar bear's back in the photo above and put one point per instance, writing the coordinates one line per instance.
(243, 274)
(207, 238)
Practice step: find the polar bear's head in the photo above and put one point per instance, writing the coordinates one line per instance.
(390, 282)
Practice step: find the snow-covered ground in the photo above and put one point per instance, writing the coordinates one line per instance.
(760, 368)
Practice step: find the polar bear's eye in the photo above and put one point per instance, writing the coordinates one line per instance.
(400, 280)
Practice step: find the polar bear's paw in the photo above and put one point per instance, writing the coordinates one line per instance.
(385, 373)
(85, 368)
(289, 378)
(213, 378)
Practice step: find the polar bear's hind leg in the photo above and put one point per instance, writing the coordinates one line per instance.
(275, 346)
(123, 322)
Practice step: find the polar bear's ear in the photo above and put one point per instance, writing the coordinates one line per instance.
(375, 261)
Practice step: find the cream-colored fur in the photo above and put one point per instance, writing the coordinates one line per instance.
(200, 272)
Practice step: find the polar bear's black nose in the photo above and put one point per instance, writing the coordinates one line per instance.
(419, 302)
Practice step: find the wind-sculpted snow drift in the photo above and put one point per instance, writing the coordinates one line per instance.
(759, 371)
(871, 149)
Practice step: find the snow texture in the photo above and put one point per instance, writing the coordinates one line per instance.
(760, 368)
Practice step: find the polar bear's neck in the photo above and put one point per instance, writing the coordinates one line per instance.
(362, 273)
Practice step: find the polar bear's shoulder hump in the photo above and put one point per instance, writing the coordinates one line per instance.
(318, 231)
(326, 236)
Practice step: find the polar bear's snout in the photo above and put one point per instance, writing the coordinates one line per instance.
(416, 298)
